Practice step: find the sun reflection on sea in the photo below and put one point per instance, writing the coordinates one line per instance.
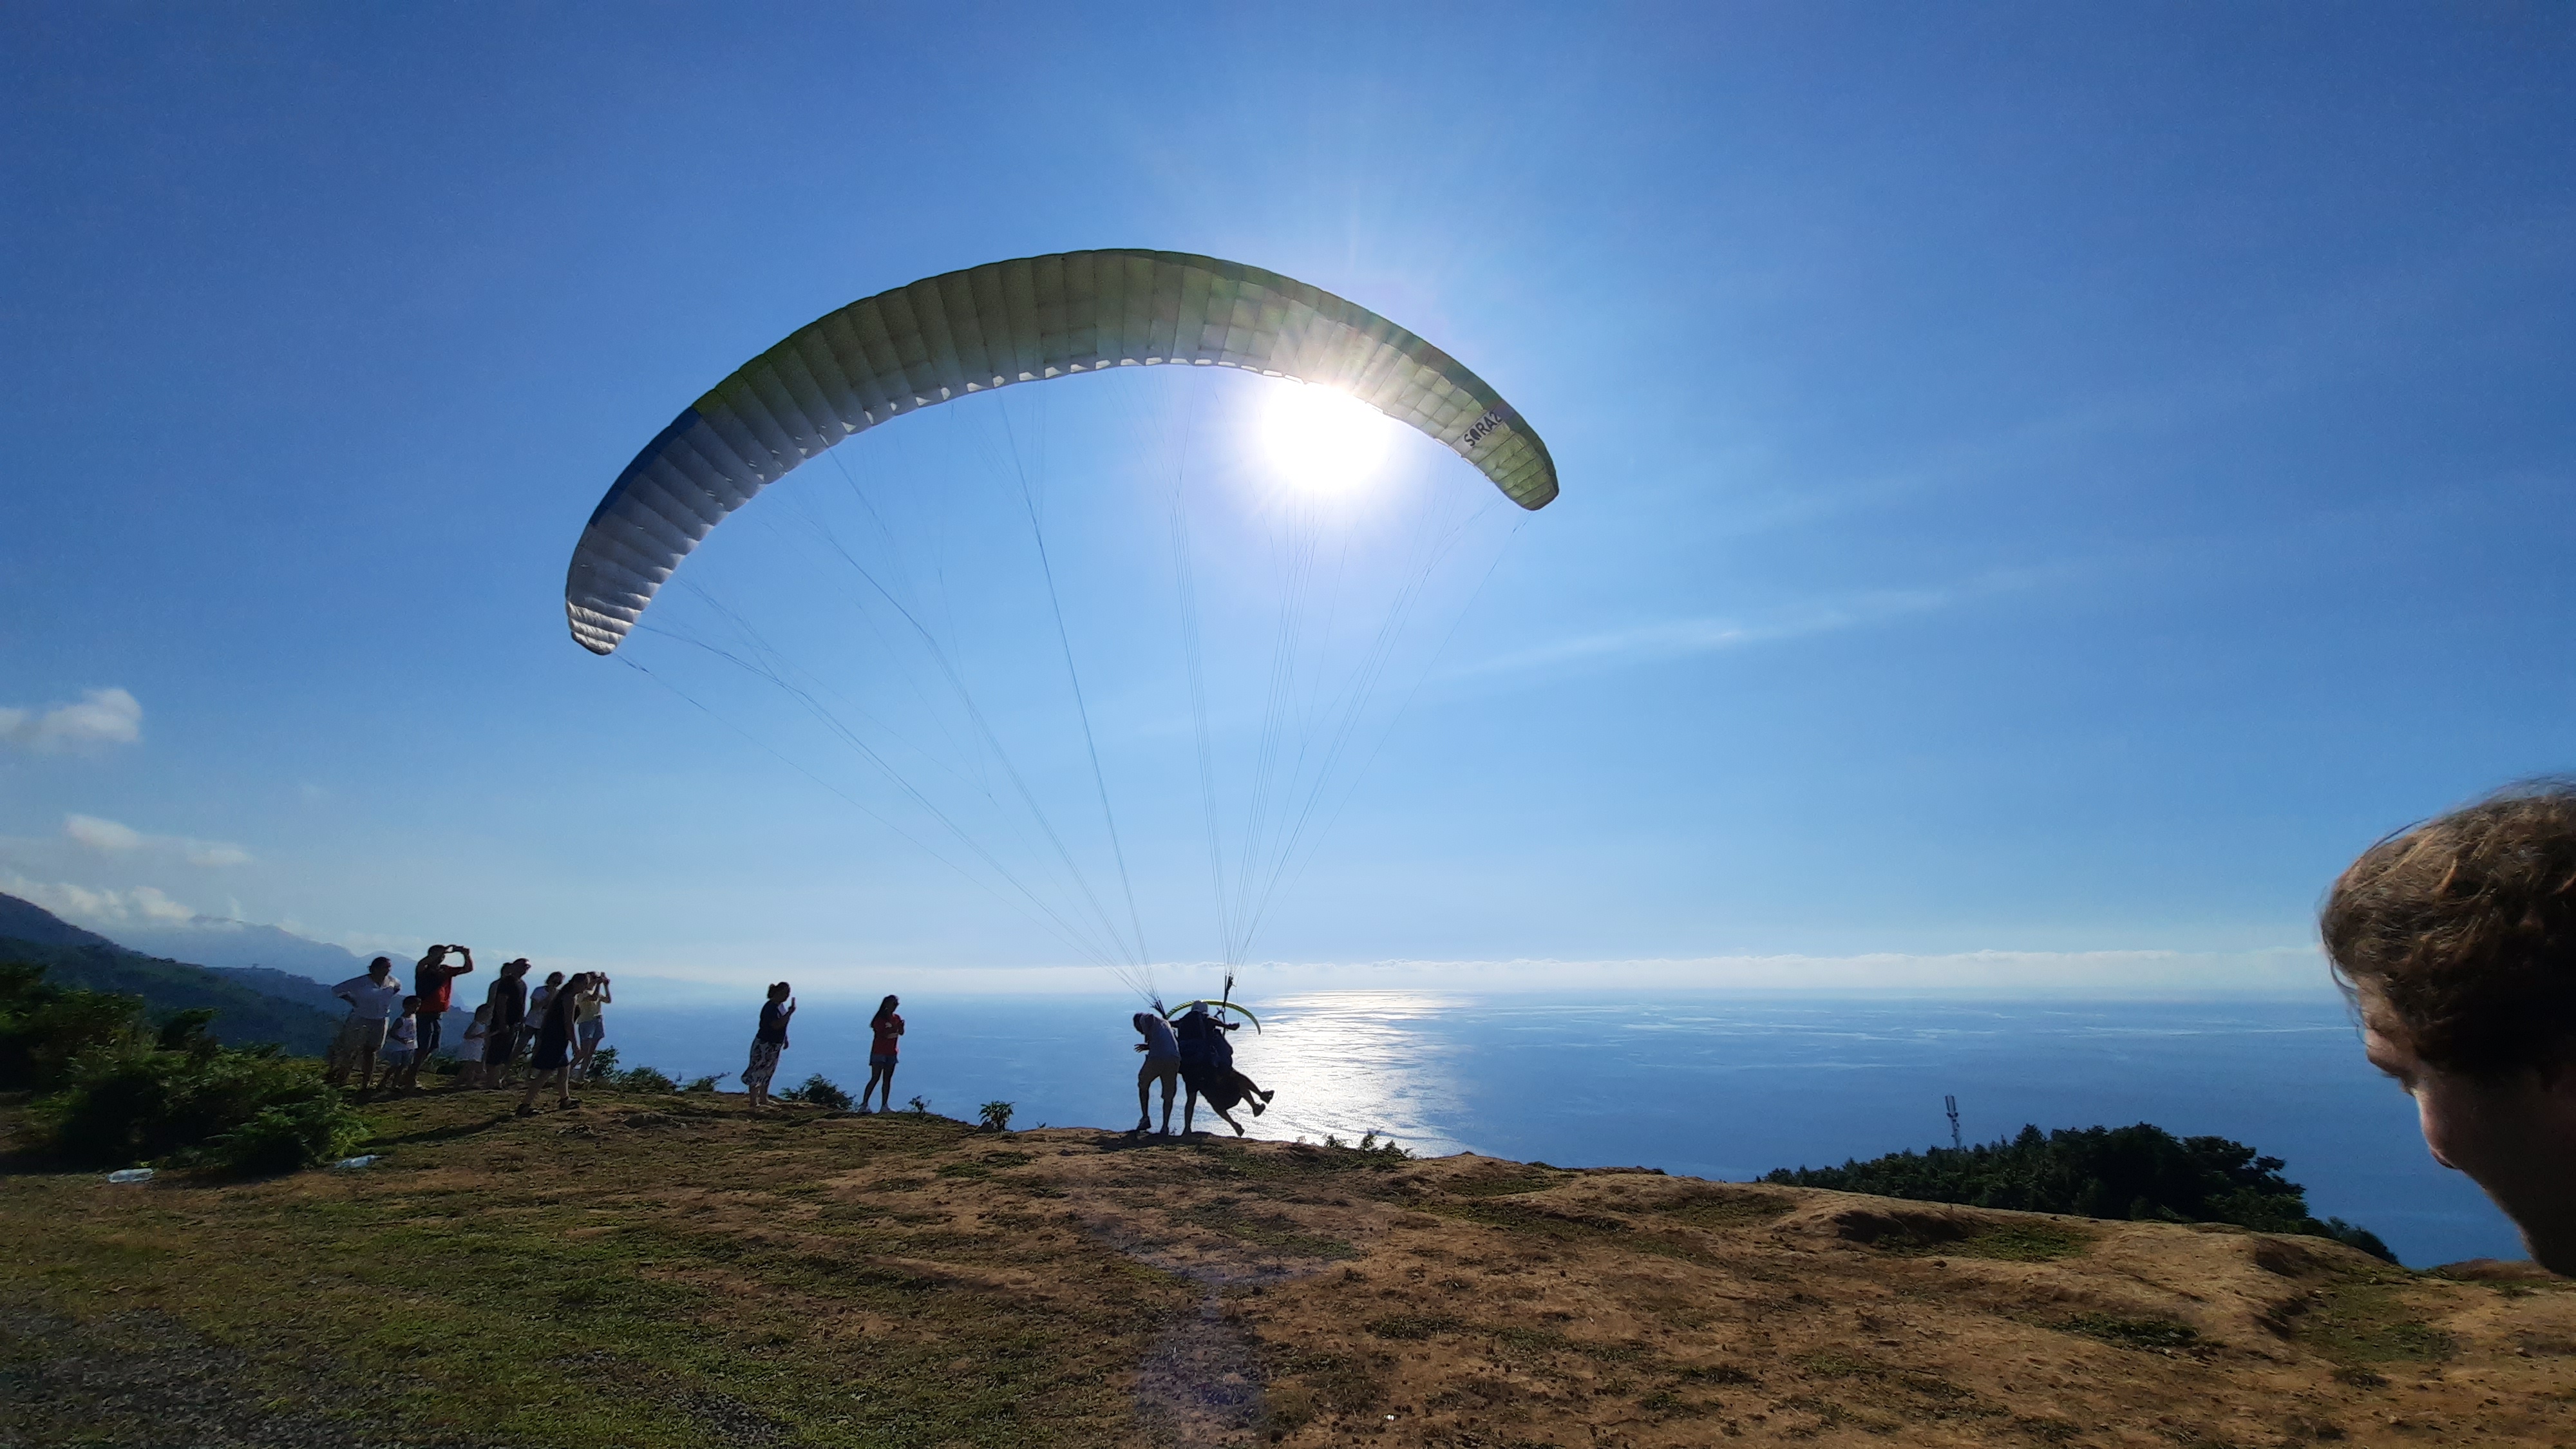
(1345, 1063)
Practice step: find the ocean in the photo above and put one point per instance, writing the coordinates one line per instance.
(1714, 1086)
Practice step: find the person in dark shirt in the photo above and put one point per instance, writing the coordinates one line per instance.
(1207, 1069)
(885, 1039)
(550, 1058)
(508, 1004)
(767, 1043)
(434, 982)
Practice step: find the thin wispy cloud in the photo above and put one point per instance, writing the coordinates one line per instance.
(109, 837)
(100, 718)
(1678, 638)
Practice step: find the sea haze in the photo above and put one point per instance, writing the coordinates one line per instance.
(1698, 1084)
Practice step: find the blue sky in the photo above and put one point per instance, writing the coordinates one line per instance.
(2044, 482)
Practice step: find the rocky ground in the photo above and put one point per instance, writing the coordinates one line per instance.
(671, 1270)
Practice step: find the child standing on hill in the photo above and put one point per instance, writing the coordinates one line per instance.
(767, 1043)
(469, 1068)
(402, 1038)
(886, 1038)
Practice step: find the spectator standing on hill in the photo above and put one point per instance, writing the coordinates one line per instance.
(538, 1000)
(506, 1006)
(2456, 940)
(550, 1058)
(372, 999)
(589, 1026)
(1162, 1064)
(767, 1043)
(402, 1037)
(885, 1040)
(434, 981)
(469, 1068)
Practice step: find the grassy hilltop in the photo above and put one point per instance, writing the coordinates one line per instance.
(669, 1270)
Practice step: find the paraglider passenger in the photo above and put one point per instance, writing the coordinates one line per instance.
(550, 1060)
(2456, 941)
(767, 1043)
(886, 1037)
(1162, 1064)
(1207, 1069)
(402, 1035)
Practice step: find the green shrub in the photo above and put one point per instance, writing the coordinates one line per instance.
(284, 1137)
(136, 1103)
(120, 1092)
(2141, 1172)
(604, 1071)
(44, 1027)
(996, 1116)
(817, 1089)
(706, 1083)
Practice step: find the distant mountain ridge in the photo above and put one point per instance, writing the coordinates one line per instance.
(27, 921)
(240, 946)
(245, 1013)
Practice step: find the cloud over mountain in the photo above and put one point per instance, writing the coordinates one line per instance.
(101, 717)
(113, 838)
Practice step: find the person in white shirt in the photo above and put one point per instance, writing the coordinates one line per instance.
(374, 1000)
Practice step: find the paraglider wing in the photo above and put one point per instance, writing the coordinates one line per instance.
(1234, 1006)
(992, 326)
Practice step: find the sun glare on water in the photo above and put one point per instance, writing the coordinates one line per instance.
(1325, 444)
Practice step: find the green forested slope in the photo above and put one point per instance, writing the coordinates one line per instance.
(242, 1016)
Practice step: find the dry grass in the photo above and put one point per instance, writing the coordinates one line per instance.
(674, 1272)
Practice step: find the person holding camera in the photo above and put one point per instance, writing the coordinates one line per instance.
(767, 1042)
(434, 982)
(588, 1024)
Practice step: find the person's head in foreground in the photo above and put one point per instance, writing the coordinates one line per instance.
(380, 968)
(779, 990)
(2457, 941)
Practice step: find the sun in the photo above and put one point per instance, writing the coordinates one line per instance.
(1323, 443)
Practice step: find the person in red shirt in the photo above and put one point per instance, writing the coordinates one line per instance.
(434, 982)
(888, 1028)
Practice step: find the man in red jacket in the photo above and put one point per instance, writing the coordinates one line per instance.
(434, 982)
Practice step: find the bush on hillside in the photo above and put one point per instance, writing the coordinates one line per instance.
(2139, 1172)
(121, 1092)
(295, 1133)
(44, 1027)
(605, 1071)
(819, 1090)
(138, 1103)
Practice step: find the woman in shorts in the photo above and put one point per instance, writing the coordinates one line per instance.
(588, 1025)
(886, 1038)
